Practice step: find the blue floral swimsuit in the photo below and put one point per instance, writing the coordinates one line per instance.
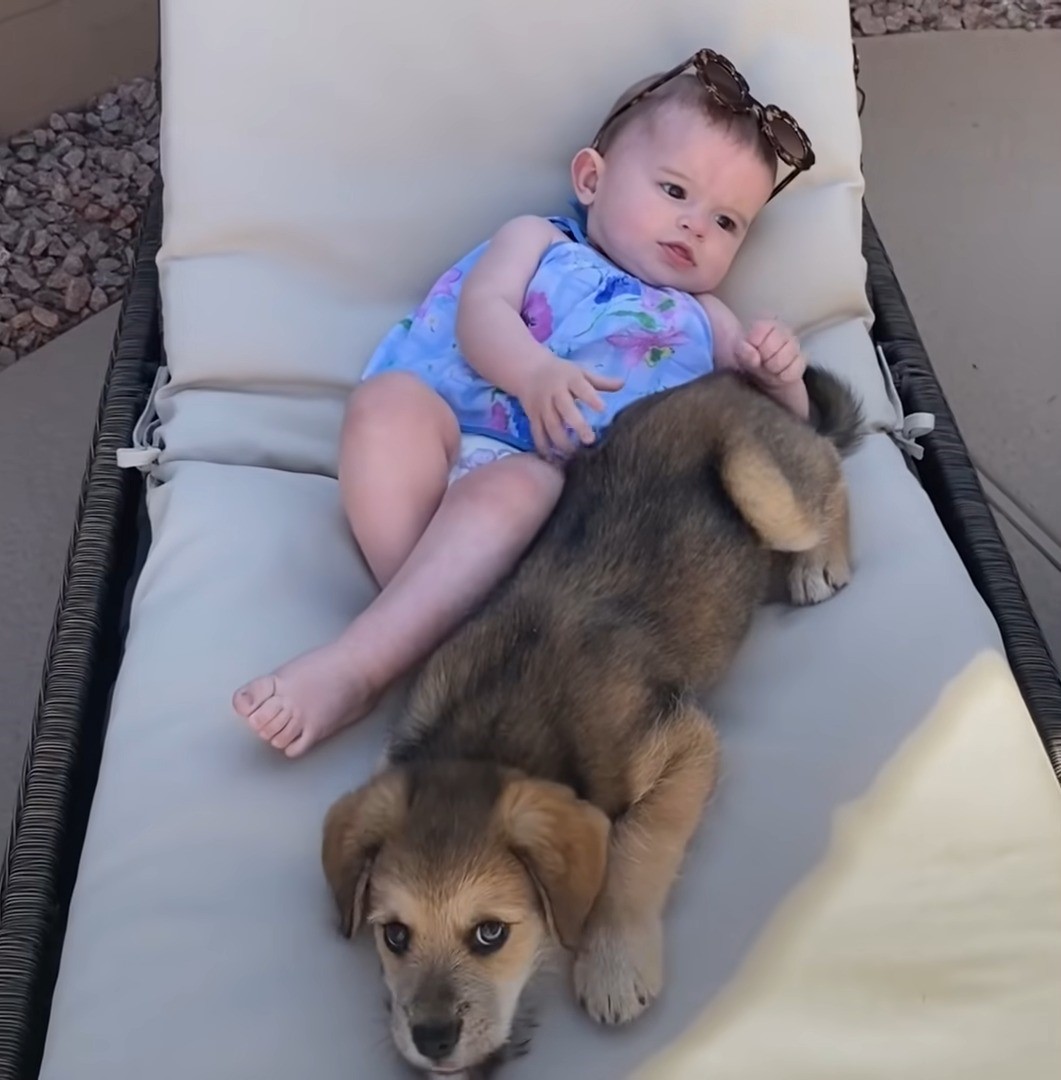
(579, 305)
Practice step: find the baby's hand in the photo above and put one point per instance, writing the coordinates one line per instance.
(548, 395)
(771, 355)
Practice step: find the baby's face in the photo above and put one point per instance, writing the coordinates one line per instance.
(674, 200)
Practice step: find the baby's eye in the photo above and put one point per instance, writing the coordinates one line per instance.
(726, 223)
(675, 191)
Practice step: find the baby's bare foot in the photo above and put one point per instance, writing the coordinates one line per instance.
(306, 700)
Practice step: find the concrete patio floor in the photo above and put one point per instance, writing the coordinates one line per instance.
(48, 407)
(962, 156)
(963, 165)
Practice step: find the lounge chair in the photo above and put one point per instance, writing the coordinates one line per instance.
(876, 890)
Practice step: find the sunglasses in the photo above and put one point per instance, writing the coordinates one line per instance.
(728, 88)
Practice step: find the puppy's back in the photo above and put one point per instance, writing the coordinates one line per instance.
(640, 587)
(640, 584)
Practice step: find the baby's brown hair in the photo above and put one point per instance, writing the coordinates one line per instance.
(688, 92)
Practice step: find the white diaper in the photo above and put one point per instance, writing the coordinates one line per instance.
(479, 450)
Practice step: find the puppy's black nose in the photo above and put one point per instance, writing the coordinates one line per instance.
(435, 1041)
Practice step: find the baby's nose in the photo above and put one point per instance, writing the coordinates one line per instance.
(695, 224)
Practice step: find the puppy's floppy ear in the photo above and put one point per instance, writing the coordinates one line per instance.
(355, 828)
(563, 842)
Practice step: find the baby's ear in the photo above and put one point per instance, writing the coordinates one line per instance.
(586, 168)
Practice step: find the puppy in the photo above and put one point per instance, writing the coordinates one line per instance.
(553, 761)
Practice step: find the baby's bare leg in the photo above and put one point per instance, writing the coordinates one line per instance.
(399, 442)
(482, 525)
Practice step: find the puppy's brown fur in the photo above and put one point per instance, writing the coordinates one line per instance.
(553, 762)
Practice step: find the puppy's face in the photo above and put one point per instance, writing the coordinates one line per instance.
(457, 950)
(466, 876)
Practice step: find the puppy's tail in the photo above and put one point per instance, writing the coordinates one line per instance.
(835, 410)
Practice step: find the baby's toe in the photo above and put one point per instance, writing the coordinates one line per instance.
(271, 719)
(299, 744)
(287, 734)
(250, 697)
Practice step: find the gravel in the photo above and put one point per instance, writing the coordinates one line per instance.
(71, 195)
(897, 16)
(71, 192)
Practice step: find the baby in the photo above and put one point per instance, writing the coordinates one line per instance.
(452, 448)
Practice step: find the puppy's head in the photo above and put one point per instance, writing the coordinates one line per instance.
(465, 873)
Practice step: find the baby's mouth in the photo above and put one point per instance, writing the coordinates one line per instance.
(679, 254)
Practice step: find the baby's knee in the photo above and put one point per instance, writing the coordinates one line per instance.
(393, 390)
(392, 402)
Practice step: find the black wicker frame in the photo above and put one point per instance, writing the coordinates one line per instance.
(951, 481)
(62, 762)
(84, 651)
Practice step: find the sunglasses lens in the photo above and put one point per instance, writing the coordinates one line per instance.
(723, 82)
(788, 141)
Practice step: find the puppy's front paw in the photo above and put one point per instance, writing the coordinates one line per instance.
(619, 970)
(813, 579)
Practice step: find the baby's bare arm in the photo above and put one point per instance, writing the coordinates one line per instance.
(726, 331)
(769, 353)
(491, 332)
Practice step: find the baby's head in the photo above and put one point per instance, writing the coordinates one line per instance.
(674, 184)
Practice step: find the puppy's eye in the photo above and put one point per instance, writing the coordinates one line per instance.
(489, 936)
(396, 937)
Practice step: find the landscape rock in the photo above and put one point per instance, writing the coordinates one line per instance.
(70, 191)
(78, 294)
(48, 319)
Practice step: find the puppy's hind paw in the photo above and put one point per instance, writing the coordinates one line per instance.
(619, 972)
(812, 580)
